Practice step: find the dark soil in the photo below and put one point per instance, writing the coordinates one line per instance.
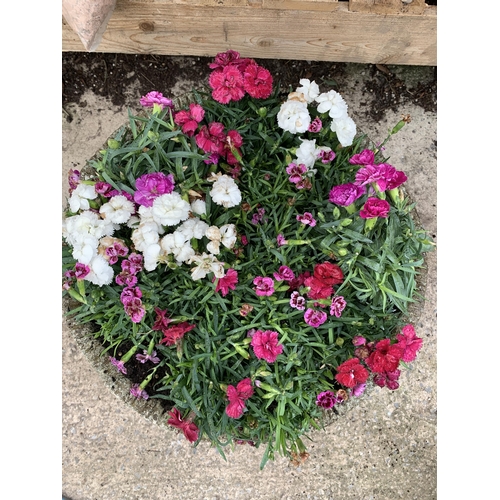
(124, 78)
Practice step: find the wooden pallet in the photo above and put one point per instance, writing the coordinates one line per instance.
(359, 31)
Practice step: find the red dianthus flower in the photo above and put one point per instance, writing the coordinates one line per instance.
(351, 373)
(385, 357)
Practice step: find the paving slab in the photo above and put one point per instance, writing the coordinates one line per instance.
(384, 449)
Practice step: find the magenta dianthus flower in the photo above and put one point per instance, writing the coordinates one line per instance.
(81, 271)
(345, 194)
(296, 172)
(137, 392)
(143, 358)
(284, 274)
(120, 365)
(315, 126)
(307, 219)
(280, 240)
(326, 399)
(265, 345)
(374, 207)
(150, 186)
(297, 301)
(366, 157)
(337, 306)
(315, 318)
(263, 286)
(154, 97)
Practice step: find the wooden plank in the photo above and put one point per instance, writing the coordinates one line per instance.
(389, 6)
(335, 35)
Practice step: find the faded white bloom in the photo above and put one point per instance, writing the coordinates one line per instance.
(307, 153)
(213, 246)
(101, 273)
(294, 117)
(213, 233)
(170, 209)
(333, 103)
(199, 207)
(309, 89)
(177, 245)
(345, 130)
(79, 199)
(206, 263)
(117, 210)
(225, 192)
(228, 235)
(145, 235)
(193, 228)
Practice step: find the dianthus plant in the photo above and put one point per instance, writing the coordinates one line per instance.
(252, 251)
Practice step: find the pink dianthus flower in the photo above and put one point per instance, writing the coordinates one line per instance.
(211, 138)
(409, 341)
(265, 345)
(237, 397)
(227, 84)
(154, 97)
(375, 207)
(258, 82)
(263, 286)
(227, 282)
(189, 120)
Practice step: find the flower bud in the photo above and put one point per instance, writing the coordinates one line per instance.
(113, 144)
(262, 112)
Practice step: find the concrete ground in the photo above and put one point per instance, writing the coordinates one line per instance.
(384, 449)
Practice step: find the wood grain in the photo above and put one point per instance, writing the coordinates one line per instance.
(318, 30)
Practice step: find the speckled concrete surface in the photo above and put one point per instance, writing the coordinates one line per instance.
(384, 449)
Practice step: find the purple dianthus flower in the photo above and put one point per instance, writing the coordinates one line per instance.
(326, 399)
(154, 97)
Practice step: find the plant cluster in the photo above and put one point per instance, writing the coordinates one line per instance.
(255, 248)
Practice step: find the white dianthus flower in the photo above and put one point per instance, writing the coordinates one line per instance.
(177, 245)
(86, 223)
(79, 199)
(170, 209)
(228, 234)
(84, 247)
(146, 234)
(225, 192)
(151, 256)
(118, 209)
(206, 263)
(309, 89)
(345, 130)
(193, 228)
(307, 153)
(294, 117)
(333, 103)
(101, 273)
(199, 207)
